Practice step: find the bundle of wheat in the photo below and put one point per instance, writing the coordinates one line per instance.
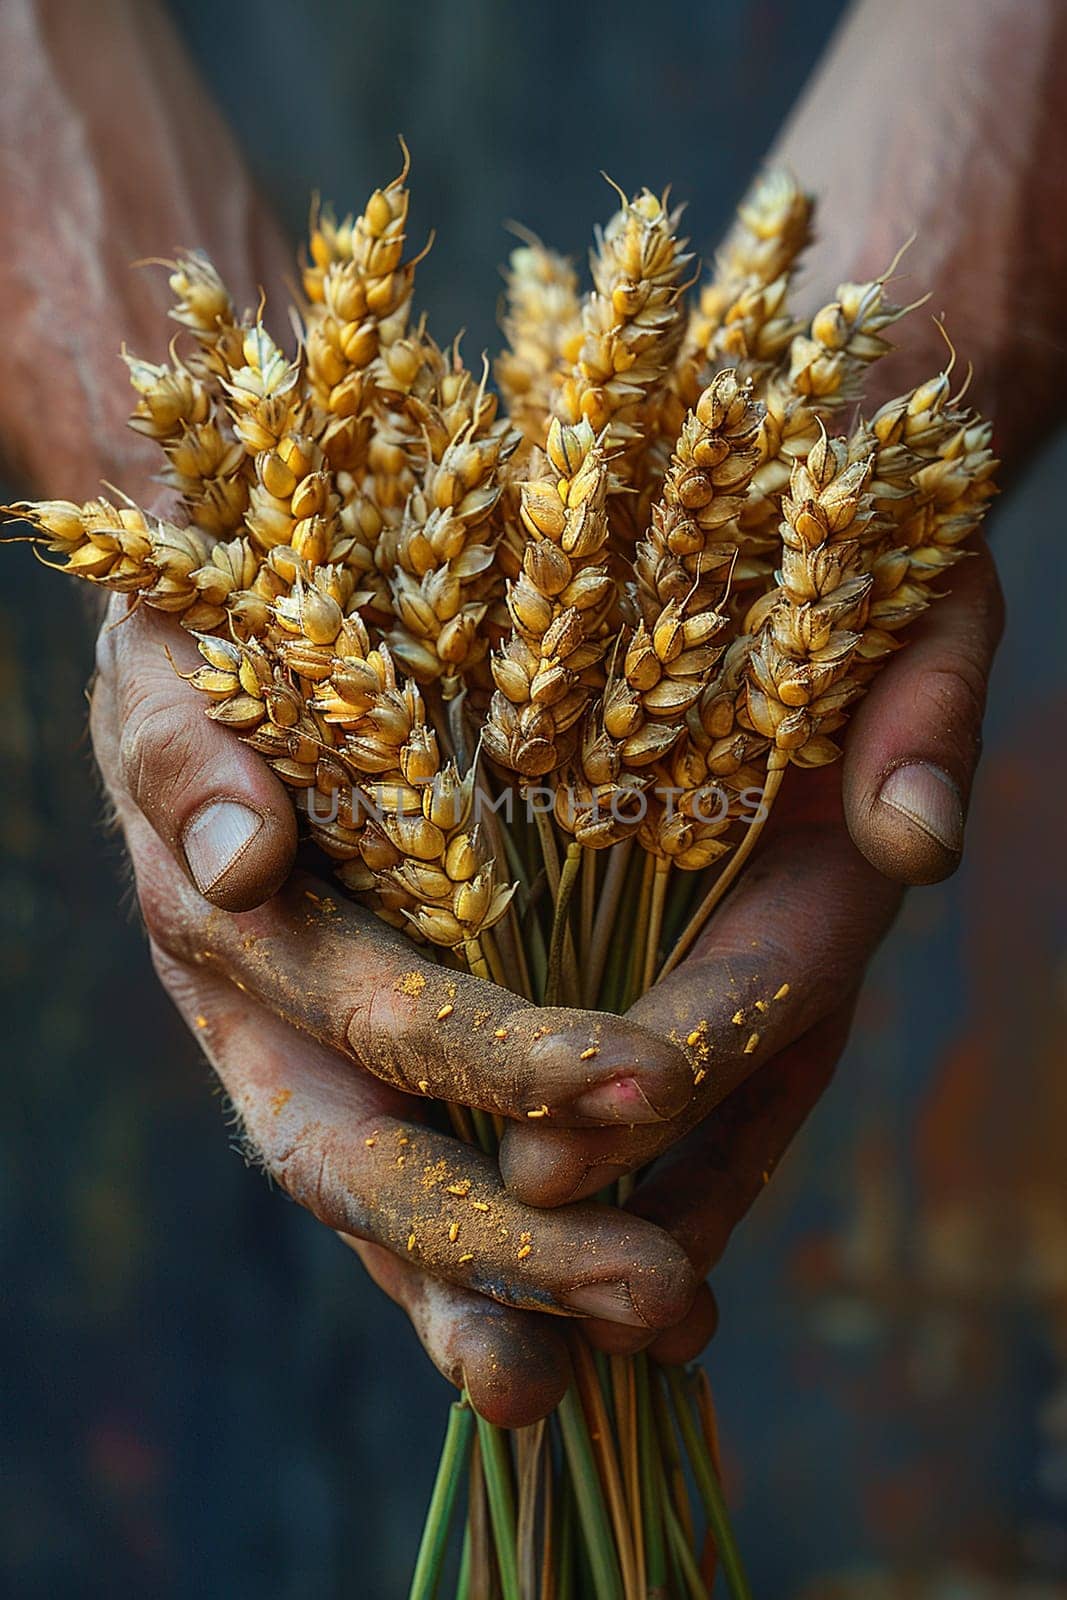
(645, 589)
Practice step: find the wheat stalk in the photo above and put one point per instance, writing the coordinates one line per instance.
(632, 327)
(543, 329)
(559, 606)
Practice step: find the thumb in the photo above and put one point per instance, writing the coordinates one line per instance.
(914, 742)
(223, 814)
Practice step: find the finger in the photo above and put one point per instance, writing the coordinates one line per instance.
(359, 987)
(513, 1364)
(708, 1183)
(217, 806)
(344, 1147)
(785, 950)
(673, 1346)
(703, 1188)
(677, 1346)
(914, 742)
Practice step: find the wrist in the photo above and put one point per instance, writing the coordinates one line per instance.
(935, 124)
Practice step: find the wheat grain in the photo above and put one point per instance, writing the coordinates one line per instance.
(808, 629)
(559, 605)
(543, 328)
(632, 327)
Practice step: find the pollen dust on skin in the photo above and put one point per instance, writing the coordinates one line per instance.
(279, 1101)
(326, 904)
(412, 984)
(697, 1048)
(433, 1177)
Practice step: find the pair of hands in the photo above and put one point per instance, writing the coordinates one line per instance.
(323, 1025)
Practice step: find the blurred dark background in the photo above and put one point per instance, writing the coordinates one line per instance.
(201, 1394)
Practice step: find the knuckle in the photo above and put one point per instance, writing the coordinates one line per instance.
(158, 750)
(305, 1169)
(952, 697)
(381, 1035)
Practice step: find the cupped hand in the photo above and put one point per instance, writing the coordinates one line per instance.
(332, 1037)
(764, 1001)
(719, 1064)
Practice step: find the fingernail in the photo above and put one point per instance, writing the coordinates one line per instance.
(608, 1300)
(928, 797)
(215, 838)
(617, 1100)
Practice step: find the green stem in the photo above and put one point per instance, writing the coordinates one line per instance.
(565, 1585)
(529, 1451)
(655, 922)
(599, 1542)
(708, 1486)
(484, 1132)
(550, 1519)
(636, 968)
(703, 911)
(463, 1582)
(549, 850)
(601, 940)
(496, 1464)
(434, 1544)
(674, 1467)
(613, 995)
(651, 1496)
(561, 925)
(683, 1554)
(585, 939)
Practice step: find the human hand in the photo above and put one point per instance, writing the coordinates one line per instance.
(341, 1112)
(807, 914)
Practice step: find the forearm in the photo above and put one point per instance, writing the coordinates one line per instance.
(947, 119)
(110, 151)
